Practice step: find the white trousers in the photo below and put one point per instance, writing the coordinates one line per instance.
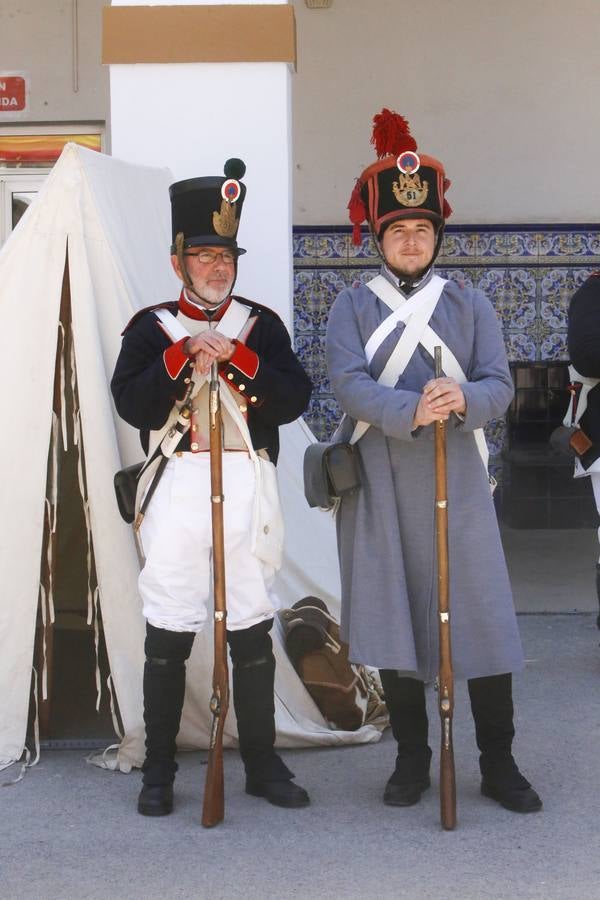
(176, 582)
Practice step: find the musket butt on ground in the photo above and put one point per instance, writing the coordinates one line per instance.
(448, 818)
(213, 813)
(213, 804)
(447, 796)
(447, 778)
(211, 822)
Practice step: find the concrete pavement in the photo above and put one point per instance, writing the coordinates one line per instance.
(70, 830)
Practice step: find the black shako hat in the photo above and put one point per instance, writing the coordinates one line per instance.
(401, 184)
(206, 211)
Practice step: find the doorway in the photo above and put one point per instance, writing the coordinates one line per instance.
(17, 191)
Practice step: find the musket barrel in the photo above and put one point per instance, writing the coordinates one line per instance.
(445, 677)
(213, 808)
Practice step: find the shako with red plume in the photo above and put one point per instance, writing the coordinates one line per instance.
(391, 134)
(401, 184)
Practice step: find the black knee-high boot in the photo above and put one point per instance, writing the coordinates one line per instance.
(405, 700)
(253, 666)
(493, 713)
(492, 708)
(164, 688)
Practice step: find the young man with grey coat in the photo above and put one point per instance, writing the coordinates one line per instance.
(386, 530)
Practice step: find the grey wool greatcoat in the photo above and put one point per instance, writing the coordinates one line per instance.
(386, 531)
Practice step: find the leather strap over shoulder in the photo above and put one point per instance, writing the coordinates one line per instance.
(416, 312)
(231, 325)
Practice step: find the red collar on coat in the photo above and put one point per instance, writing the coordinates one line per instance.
(192, 311)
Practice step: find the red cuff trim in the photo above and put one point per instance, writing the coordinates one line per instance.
(245, 360)
(175, 359)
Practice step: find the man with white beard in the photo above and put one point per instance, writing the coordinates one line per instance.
(167, 352)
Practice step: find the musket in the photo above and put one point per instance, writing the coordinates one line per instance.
(445, 676)
(213, 808)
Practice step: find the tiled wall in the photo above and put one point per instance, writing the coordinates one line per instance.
(528, 272)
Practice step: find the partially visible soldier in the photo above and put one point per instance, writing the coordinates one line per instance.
(165, 349)
(584, 409)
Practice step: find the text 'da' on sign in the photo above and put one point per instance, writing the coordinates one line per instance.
(12, 93)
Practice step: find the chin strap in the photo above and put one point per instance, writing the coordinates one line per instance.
(406, 284)
(179, 242)
(438, 243)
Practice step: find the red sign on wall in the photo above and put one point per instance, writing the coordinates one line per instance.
(12, 93)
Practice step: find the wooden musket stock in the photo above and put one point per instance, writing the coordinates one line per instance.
(213, 808)
(446, 677)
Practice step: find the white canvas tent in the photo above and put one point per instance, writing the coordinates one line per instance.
(103, 225)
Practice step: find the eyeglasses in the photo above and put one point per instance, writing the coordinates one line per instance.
(208, 257)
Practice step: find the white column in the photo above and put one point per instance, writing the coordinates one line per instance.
(191, 117)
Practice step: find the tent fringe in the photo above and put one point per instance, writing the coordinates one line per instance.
(49, 560)
(44, 659)
(113, 708)
(46, 597)
(63, 405)
(74, 394)
(88, 528)
(24, 766)
(86, 512)
(102, 761)
(77, 441)
(36, 721)
(96, 646)
(54, 470)
(27, 763)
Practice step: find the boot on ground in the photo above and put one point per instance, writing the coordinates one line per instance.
(253, 679)
(503, 782)
(409, 779)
